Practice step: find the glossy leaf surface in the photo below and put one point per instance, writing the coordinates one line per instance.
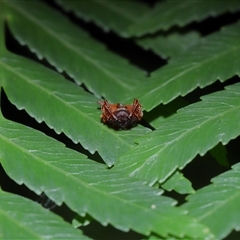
(48, 34)
(178, 183)
(21, 218)
(63, 106)
(171, 13)
(218, 204)
(109, 15)
(88, 187)
(214, 58)
(169, 45)
(193, 130)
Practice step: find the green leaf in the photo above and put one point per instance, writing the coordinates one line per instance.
(169, 45)
(45, 165)
(161, 113)
(178, 183)
(109, 15)
(218, 205)
(79, 221)
(194, 130)
(219, 152)
(48, 34)
(110, 196)
(63, 106)
(214, 58)
(21, 218)
(180, 13)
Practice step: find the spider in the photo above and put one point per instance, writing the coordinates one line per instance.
(119, 116)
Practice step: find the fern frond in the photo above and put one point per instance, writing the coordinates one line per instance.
(217, 205)
(214, 58)
(70, 49)
(194, 130)
(45, 165)
(109, 15)
(179, 13)
(63, 106)
(24, 219)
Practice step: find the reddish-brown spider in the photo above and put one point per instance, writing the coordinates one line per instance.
(119, 116)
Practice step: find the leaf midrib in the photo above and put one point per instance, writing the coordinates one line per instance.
(155, 12)
(80, 182)
(190, 69)
(216, 207)
(117, 10)
(169, 12)
(74, 49)
(182, 136)
(24, 227)
(106, 129)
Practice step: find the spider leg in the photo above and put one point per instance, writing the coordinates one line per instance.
(106, 109)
